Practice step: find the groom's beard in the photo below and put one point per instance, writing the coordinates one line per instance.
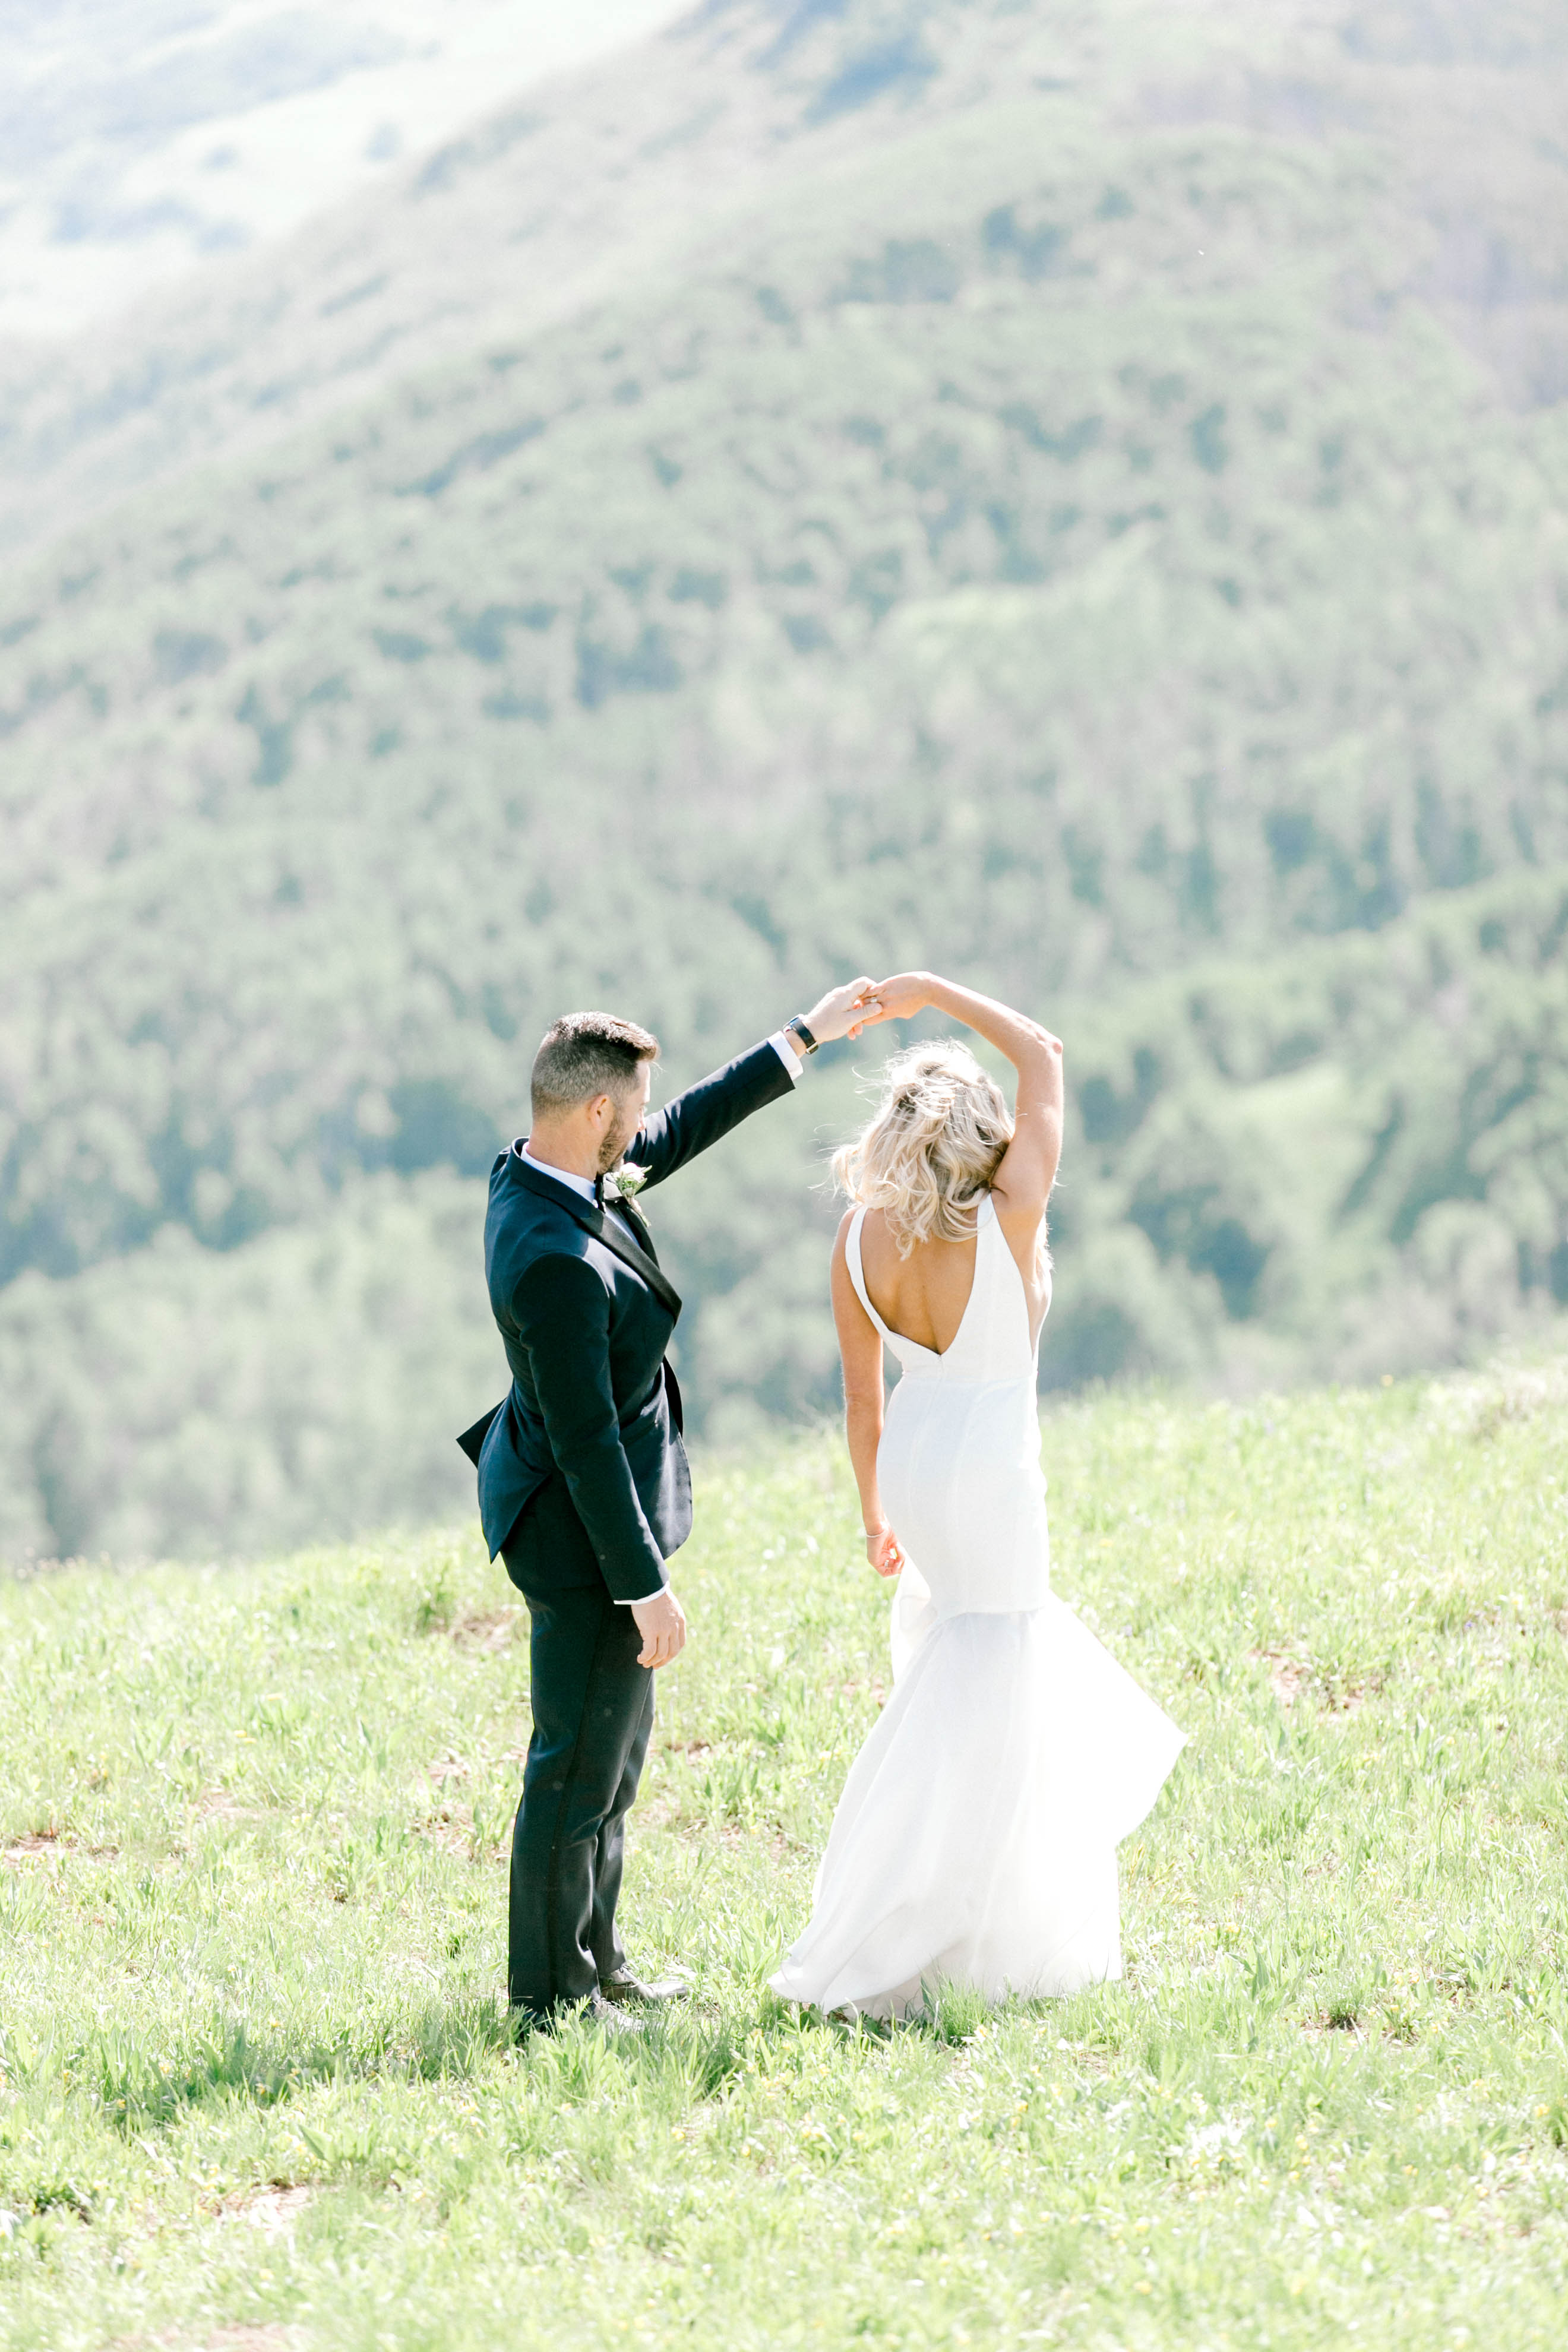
(612, 1149)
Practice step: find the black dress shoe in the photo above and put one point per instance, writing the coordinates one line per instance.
(594, 2010)
(627, 1987)
(598, 2010)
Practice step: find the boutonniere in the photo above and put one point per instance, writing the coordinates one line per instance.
(624, 1182)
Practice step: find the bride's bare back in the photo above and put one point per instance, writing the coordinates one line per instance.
(925, 1296)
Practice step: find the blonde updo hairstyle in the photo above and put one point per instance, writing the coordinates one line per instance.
(932, 1147)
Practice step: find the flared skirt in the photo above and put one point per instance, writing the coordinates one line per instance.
(975, 1843)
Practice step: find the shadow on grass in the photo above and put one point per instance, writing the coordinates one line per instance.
(135, 2087)
(685, 2057)
(685, 2060)
(682, 2058)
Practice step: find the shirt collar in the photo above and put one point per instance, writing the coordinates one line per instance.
(582, 1185)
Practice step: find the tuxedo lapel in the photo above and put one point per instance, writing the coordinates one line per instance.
(638, 1224)
(614, 1235)
(607, 1229)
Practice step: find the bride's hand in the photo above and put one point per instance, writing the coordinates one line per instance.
(885, 1552)
(903, 997)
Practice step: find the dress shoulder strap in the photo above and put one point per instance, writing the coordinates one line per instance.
(856, 1272)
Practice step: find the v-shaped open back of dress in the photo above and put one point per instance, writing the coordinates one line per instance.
(975, 1839)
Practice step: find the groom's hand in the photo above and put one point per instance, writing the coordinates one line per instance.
(843, 1012)
(661, 1622)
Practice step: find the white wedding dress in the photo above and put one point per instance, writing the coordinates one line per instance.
(975, 1840)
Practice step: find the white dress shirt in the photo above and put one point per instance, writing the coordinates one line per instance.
(567, 1176)
(584, 1184)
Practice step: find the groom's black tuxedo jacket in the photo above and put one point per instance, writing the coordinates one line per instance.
(585, 1316)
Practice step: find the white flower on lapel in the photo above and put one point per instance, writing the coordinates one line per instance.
(625, 1182)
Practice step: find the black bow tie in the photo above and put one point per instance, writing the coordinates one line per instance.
(599, 1191)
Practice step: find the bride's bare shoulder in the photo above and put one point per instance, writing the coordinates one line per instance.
(875, 1237)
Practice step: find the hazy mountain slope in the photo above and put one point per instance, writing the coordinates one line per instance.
(578, 190)
(138, 137)
(178, 1399)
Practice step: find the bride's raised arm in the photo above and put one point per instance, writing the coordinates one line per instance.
(1028, 1168)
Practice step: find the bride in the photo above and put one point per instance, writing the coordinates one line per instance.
(975, 1843)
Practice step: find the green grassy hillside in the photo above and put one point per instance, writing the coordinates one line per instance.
(253, 2087)
(1069, 529)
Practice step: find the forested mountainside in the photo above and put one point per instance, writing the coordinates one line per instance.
(1078, 527)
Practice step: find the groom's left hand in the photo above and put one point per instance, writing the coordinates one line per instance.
(843, 1012)
(661, 1622)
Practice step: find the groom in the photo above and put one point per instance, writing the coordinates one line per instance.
(584, 1485)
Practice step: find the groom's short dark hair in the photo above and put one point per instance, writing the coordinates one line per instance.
(587, 1053)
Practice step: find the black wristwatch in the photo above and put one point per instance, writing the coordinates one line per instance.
(807, 1040)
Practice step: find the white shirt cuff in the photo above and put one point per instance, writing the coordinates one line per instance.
(787, 1055)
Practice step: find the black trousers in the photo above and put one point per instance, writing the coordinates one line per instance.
(593, 1714)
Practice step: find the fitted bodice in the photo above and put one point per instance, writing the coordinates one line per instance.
(992, 1342)
(959, 1460)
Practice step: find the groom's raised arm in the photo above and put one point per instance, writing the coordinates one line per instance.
(714, 1105)
(563, 1313)
(708, 1110)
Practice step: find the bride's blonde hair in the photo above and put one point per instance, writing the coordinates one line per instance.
(932, 1147)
